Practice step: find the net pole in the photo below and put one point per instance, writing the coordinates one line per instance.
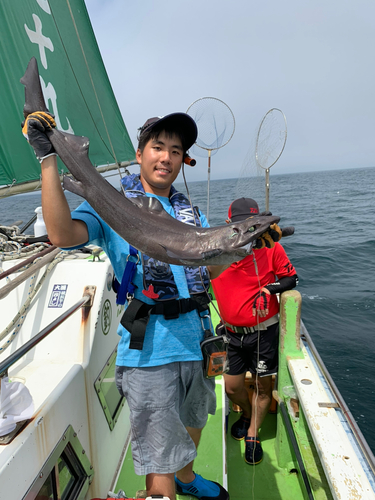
(208, 183)
(267, 189)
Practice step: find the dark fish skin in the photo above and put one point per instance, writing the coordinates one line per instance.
(142, 221)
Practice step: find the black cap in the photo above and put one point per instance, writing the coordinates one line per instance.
(179, 121)
(242, 209)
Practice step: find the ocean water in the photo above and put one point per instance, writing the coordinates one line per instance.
(333, 251)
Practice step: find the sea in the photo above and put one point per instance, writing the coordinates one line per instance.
(332, 249)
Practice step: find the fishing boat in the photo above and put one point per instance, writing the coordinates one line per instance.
(67, 427)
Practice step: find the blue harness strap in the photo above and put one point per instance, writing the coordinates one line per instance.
(126, 286)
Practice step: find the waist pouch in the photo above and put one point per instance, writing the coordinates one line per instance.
(137, 314)
(215, 354)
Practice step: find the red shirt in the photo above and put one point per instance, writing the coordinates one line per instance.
(236, 288)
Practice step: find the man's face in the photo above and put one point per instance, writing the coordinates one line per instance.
(160, 162)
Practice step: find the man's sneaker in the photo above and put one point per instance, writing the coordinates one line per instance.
(239, 428)
(253, 451)
(202, 489)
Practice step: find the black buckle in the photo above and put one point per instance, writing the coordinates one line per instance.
(171, 310)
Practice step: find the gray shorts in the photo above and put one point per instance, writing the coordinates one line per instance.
(163, 400)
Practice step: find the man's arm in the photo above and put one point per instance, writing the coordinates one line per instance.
(282, 284)
(61, 229)
(261, 301)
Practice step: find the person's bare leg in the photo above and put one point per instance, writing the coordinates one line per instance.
(186, 475)
(260, 403)
(161, 484)
(237, 392)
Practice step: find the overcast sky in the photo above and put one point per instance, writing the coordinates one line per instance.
(312, 59)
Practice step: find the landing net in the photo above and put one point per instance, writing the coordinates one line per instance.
(266, 147)
(216, 125)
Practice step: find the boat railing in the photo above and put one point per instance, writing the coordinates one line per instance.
(86, 301)
(340, 400)
(27, 187)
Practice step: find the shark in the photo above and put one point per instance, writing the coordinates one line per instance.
(142, 221)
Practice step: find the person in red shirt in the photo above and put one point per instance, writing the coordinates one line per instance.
(246, 295)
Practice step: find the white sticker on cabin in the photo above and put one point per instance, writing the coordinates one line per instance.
(57, 296)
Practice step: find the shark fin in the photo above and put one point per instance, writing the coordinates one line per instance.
(34, 100)
(150, 204)
(73, 186)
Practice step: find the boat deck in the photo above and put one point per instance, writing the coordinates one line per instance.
(263, 481)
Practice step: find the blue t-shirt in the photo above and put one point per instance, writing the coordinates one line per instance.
(166, 341)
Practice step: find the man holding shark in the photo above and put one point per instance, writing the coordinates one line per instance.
(159, 361)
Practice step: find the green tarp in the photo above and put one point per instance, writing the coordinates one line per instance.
(74, 82)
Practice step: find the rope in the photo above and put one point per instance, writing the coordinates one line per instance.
(15, 325)
(13, 246)
(94, 88)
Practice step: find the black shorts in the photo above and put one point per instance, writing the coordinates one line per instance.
(243, 352)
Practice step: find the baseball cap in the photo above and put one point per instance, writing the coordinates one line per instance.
(179, 121)
(242, 209)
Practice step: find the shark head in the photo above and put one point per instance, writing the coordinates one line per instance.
(227, 244)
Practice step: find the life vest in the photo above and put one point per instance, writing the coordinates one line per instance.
(158, 280)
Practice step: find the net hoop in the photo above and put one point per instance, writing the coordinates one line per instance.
(197, 121)
(285, 132)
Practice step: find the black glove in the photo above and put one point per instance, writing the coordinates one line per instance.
(276, 232)
(269, 238)
(265, 240)
(34, 128)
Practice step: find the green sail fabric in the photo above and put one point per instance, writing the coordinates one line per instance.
(74, 82)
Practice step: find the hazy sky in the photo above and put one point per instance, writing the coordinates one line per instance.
(313, 60)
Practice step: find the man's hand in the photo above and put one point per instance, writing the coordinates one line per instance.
(269, 238)
(260, 304)
(276, 232)
(34, 128)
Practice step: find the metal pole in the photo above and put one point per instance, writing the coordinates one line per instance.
(29, 272)
(28, 224)
(208, 183)
(13, 358)
(267, 189)
(26, 261)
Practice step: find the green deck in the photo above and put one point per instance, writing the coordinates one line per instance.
(278, 476)
(263, 481)
(209, 462)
